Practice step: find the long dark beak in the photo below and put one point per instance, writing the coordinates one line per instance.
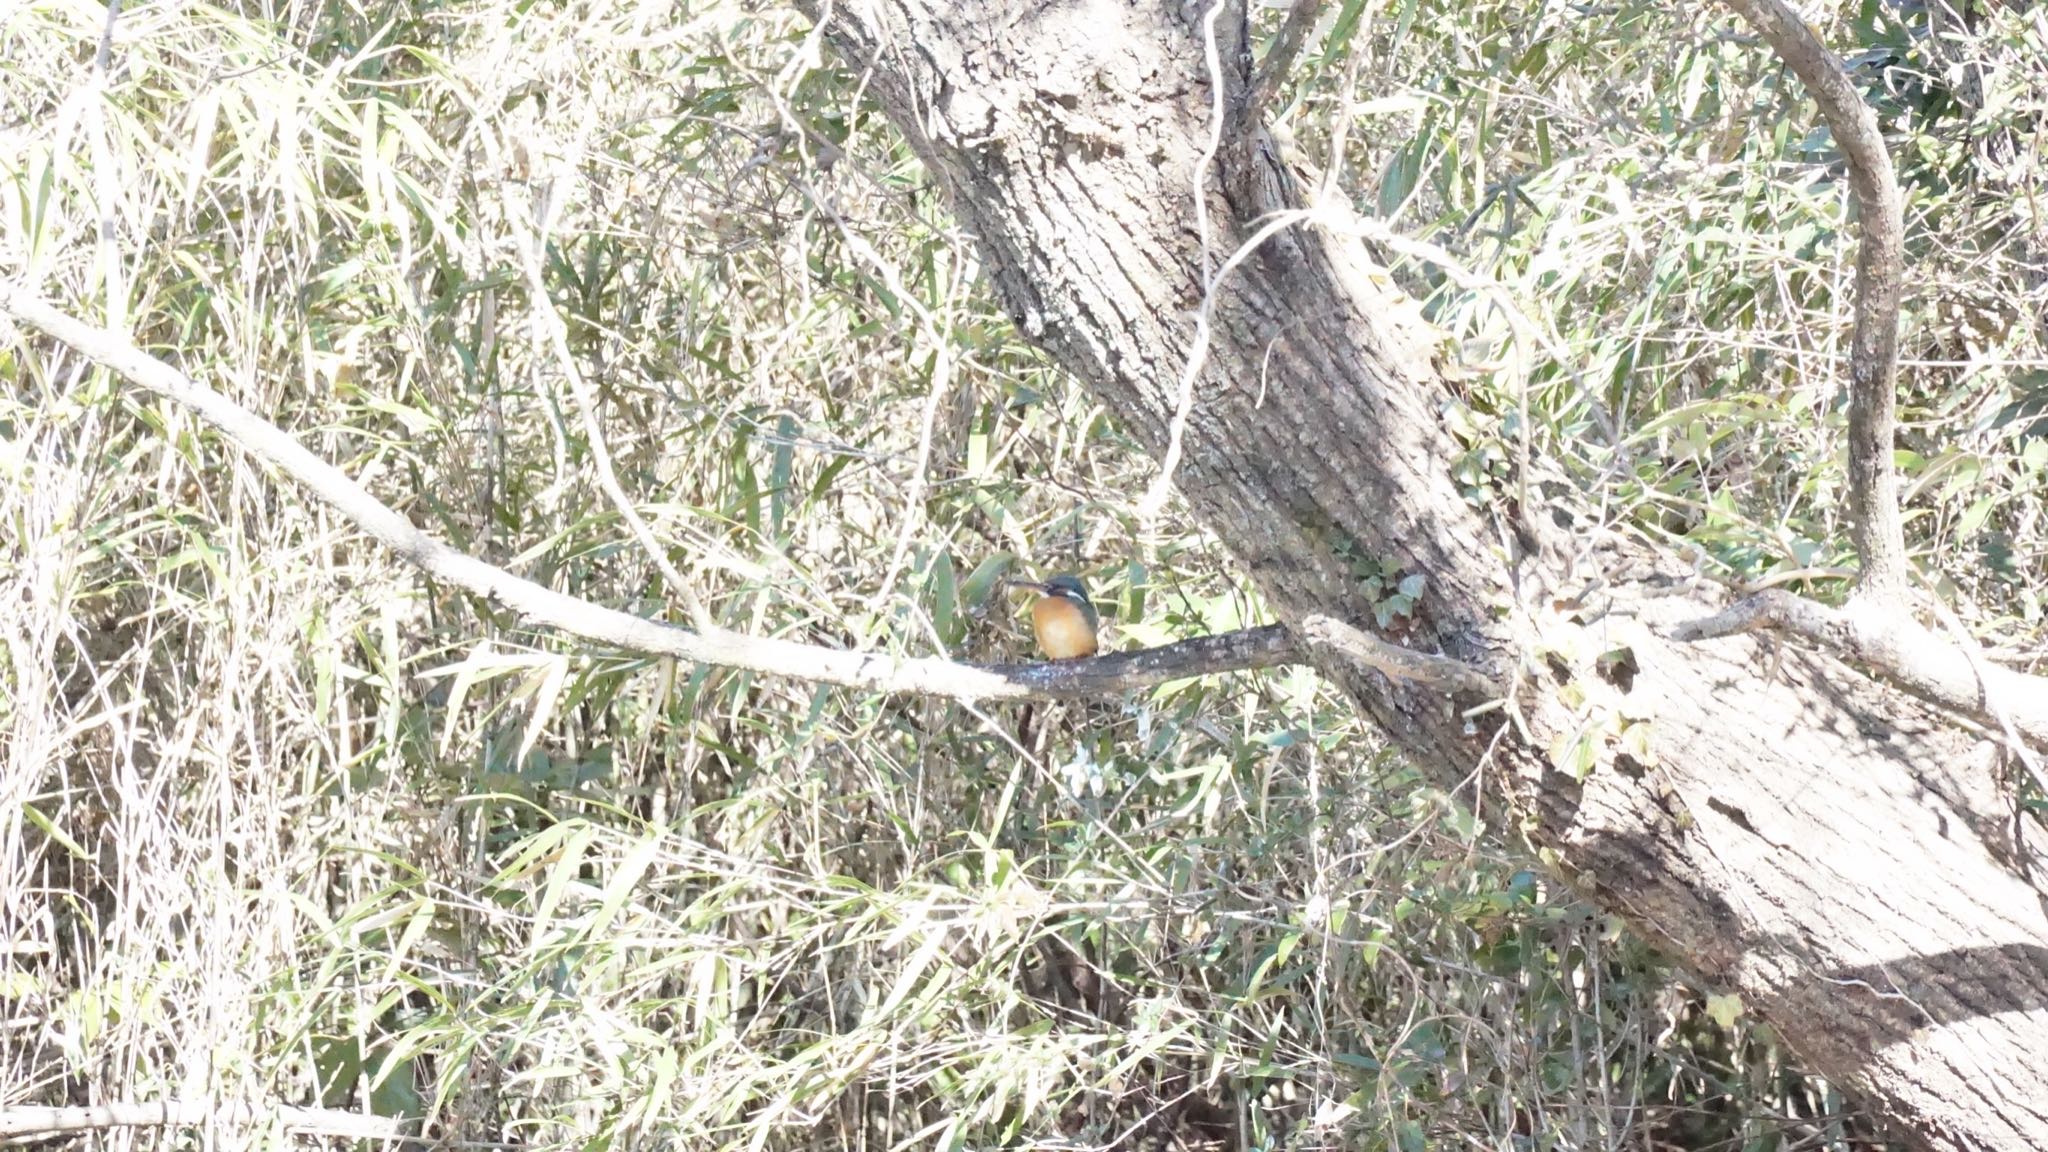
(1035, 586)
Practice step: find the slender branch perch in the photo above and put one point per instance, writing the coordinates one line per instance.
(1231, 652)
(1880, 258)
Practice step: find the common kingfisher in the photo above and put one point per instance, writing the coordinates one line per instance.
(1063, 617)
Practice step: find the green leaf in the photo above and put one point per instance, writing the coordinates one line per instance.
(1974, 518)
(982, 582)
(1403, 170)
(780, 467)
(1341, 31)
(946, 602)
(1574, 754)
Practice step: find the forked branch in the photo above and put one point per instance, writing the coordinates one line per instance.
(1875, 629)
(1892, 645)
(1272, 71)
(1880, 259)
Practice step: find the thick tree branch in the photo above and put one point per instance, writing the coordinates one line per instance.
(1880, 258)
(1874, 629)
(1104, 675)
(1832, 830)
(1892, 645)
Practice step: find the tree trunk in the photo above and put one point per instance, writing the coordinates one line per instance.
(1823, 845)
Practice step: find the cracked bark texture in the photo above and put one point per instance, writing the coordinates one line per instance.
(1823, 845)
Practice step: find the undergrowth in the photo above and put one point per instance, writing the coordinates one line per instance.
(282, 822)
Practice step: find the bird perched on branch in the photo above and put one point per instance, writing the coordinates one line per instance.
(1063, 617)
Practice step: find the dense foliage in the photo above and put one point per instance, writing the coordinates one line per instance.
(282, 822)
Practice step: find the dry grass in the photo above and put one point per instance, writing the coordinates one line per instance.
(279, 822)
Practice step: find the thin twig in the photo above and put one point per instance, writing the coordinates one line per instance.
(1198, 357)
(1993, 704)
(103, 58)
(935, 333)
(106, 180)
(1184, 405)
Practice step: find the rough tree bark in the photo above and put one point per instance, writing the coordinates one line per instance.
(1832, 849)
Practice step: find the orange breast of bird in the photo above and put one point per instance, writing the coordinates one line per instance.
(1063, 629)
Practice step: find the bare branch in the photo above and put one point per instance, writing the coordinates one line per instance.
(1896, 647)
(1237, 651)
(1427, 669)
(1872, 629)
(1874, 341)
(1279, 60)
